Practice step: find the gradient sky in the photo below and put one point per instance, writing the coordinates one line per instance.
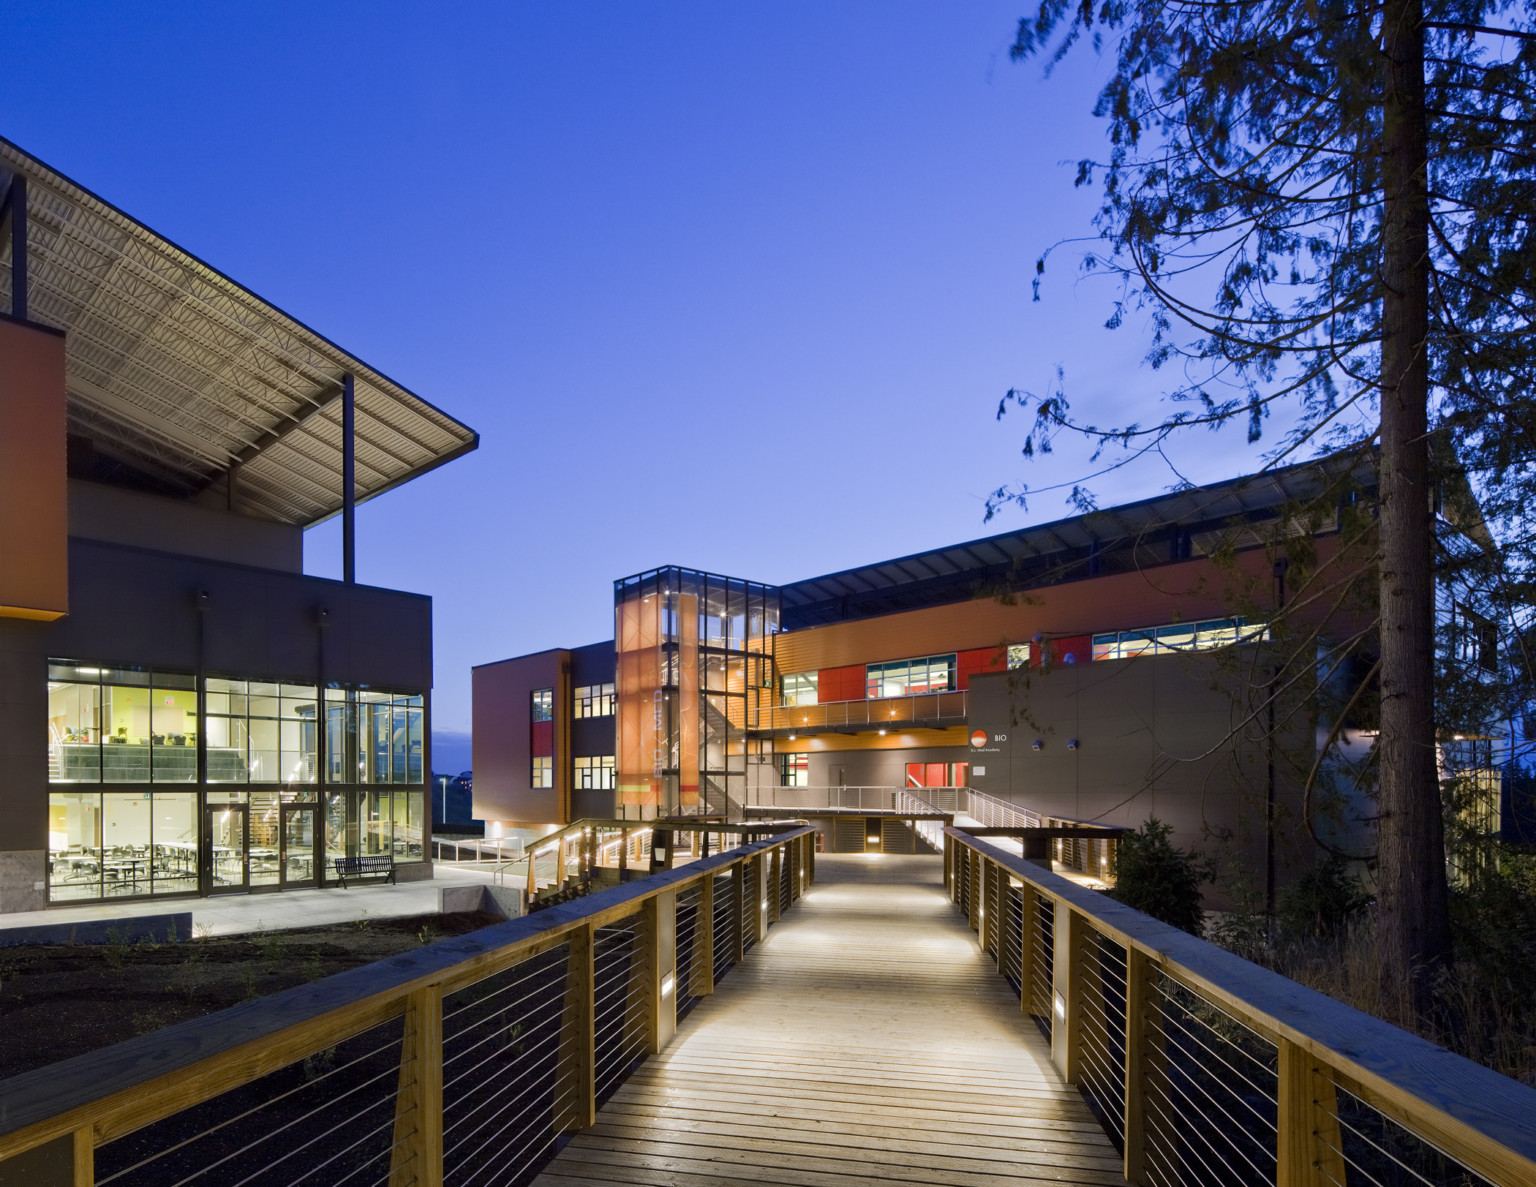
(732, 287)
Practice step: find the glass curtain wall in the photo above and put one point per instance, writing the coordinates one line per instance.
(131, 731)
(692, 656)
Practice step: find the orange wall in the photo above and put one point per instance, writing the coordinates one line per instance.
(1121, 601)
(34, 489)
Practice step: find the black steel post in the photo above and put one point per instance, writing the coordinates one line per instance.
(19, 247)
(348, 486)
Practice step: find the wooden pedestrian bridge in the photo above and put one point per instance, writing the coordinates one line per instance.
(770, 1015)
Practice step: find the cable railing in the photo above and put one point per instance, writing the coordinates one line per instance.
(881, 712)
(1204, 1068)
(464, 1063)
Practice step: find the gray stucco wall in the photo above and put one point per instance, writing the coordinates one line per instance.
(1157, 736)
(136, 607)
(117, 516)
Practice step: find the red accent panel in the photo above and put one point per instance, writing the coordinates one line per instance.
(982, 659)
(840, 684)
(541, 738)
(1078, 649)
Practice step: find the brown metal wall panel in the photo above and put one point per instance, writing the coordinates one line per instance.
(34, 487)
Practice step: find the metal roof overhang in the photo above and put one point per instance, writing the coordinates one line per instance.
(176, 369)
(994, 555)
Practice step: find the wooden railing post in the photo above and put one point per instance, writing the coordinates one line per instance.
(577, 1031)
(1028, 921)
(973, 879)
(660, 917)
(1137, 970)
(1310, 1143)
(738, 897)
(85, 1156)
(417, 1156)
(703, 971)
(775, 880)
(760, 897)
(1065, 981)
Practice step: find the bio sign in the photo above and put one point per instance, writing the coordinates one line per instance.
(983, 742)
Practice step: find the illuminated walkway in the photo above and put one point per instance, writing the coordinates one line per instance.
(868, 1039)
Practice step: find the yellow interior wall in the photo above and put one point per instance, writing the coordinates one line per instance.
(121, 702)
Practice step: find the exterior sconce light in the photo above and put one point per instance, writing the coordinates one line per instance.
(1071, 743)
(1037, 744)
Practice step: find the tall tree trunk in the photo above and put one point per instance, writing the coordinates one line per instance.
(1411, 843)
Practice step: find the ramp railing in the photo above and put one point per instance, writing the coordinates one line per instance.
(1207, 1069)
(462, 1063)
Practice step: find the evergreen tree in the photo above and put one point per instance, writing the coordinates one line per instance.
(1324, 208)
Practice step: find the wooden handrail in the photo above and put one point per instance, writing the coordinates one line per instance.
(102, 1095)
(1478, 1117)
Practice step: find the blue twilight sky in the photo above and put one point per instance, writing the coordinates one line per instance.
(727, 286)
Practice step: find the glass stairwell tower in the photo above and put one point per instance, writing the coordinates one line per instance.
(693, 665)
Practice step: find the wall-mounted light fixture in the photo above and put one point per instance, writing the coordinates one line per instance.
(1037, 744)
(1071, 743)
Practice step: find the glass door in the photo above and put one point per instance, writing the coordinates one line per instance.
(225, 849)
(299, 837)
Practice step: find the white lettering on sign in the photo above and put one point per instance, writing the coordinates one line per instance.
(999, 737)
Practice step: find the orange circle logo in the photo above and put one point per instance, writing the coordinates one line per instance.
(978, 738)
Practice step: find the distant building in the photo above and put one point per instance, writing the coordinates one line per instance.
(453, 798)
(1074, 667)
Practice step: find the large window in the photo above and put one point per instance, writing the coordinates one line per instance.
(909, 677)
(1476, 639)
(260, 732)
(543, 704)
(542, 773)
(800, 688)
(121, 844)
(373, 736)
(1179, 637)
(140, 725)
(595, 773)
(1018, 655)
(120, 725)
(591, 700)
(795, 770)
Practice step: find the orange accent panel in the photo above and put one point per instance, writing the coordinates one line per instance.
(34, 487)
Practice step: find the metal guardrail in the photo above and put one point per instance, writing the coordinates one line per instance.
(882, 711)
(462, 1063)
(1207, 1069)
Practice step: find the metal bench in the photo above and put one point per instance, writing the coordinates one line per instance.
(375, 866)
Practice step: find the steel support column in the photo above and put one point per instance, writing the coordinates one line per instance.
(348, 486)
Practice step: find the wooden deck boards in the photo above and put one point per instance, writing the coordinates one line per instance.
(867, 1040)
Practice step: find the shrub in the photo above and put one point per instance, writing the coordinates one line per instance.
(1322, 903)
(1154, 876)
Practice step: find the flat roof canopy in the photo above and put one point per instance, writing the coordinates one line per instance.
(188, 377)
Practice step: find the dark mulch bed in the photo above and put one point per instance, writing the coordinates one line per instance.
(61, 1000)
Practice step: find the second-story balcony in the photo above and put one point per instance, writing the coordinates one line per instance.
(928, 709)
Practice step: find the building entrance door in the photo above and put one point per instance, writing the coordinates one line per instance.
(226, 850)
(300, 841)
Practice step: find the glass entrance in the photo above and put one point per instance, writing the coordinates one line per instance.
(225, 849)
(299, 837)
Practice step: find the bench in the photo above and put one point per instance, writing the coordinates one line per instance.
(377, 866)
